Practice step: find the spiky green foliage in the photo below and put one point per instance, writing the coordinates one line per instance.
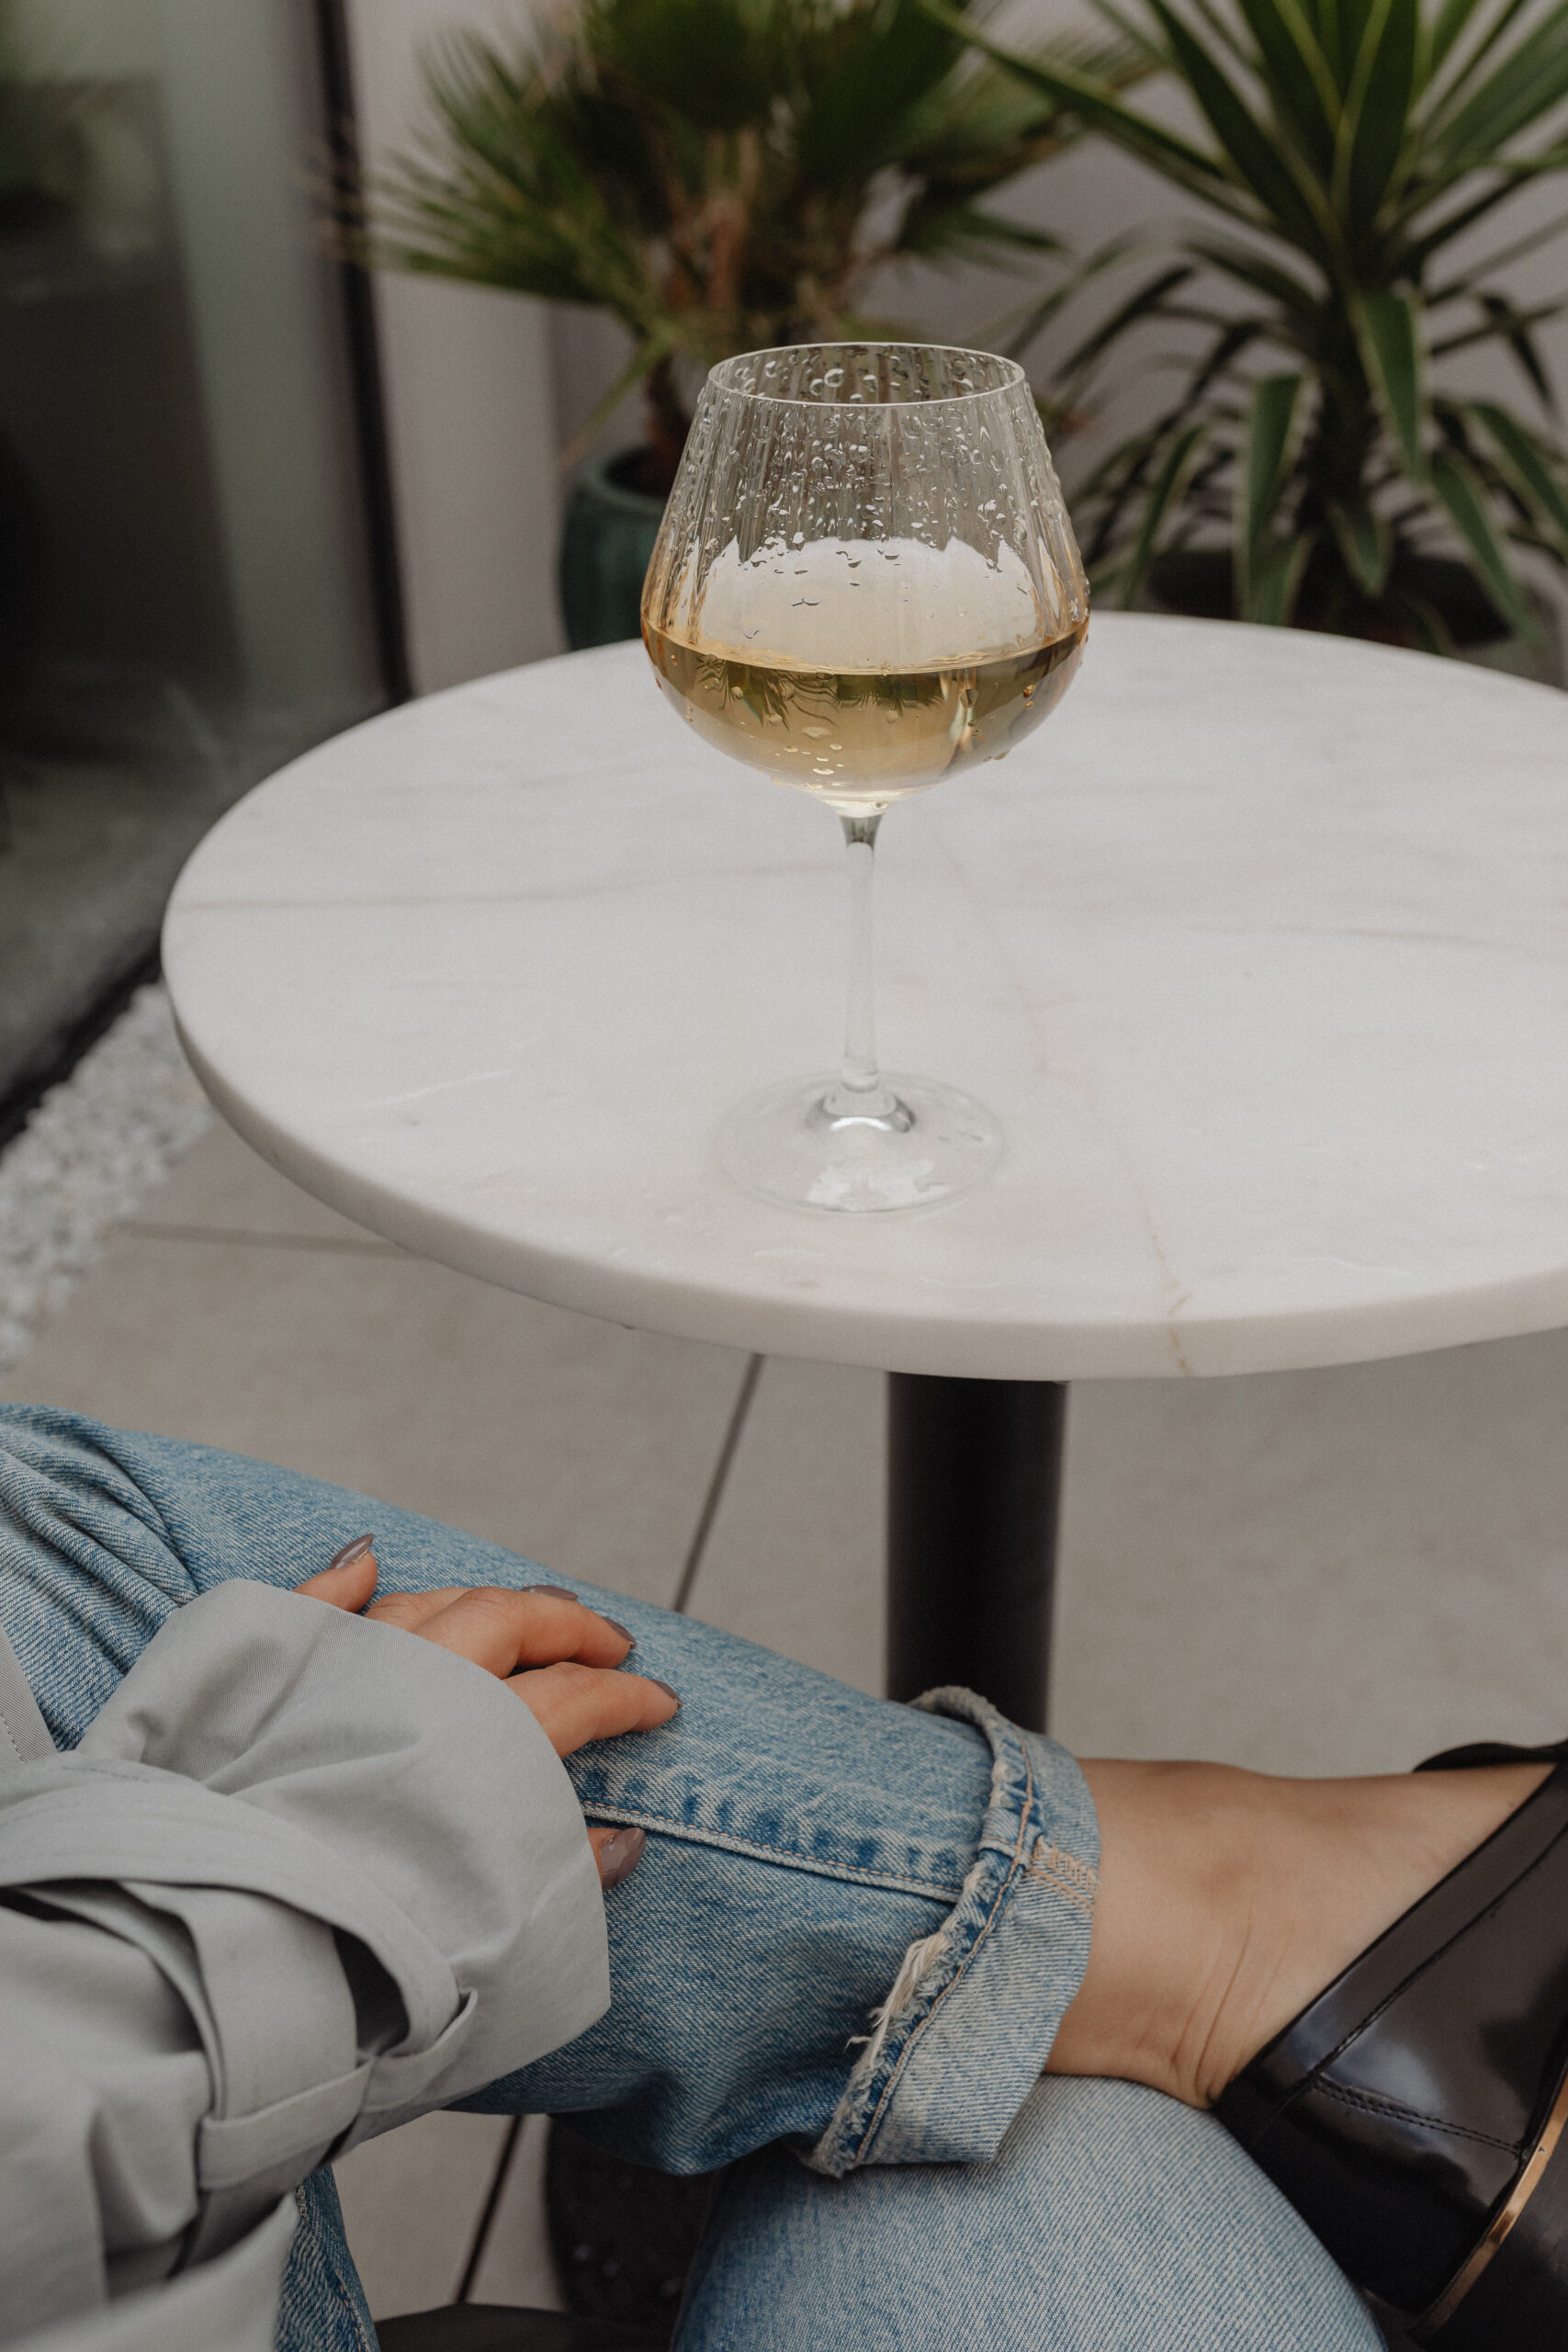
(719, 174)
(1345, 146)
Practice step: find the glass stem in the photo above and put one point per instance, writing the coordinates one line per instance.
(860, 1092)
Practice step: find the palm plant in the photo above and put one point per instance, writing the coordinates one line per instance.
(719, 174)
(1350, 145)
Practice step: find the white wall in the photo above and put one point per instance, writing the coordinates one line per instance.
(231, 88)
(471, 410)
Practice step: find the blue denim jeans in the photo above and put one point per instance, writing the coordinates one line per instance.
(844, 1959)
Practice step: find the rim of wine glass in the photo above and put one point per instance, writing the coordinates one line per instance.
(1010, 381)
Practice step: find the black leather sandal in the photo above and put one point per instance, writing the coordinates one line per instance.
(1413, 2113)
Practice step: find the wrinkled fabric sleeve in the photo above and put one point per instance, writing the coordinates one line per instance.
(227, 2305)
(306, 1876)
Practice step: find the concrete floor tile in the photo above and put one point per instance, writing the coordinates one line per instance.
(516, 2268)
(1319, 1572)
(587, 1446)
(796, 1557)
(221, 1185)
(411, 2204)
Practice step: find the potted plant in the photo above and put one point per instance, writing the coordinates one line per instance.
(1311, 467)
(717, 174)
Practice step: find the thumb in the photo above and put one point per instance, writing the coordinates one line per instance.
(617, 1853)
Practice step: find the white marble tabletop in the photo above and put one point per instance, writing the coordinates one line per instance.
(1258, 949)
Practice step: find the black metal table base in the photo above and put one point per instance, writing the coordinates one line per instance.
(973, 1490)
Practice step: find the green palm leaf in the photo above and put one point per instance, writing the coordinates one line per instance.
(1459, 489)
(1258, 161)
(1385, 327)
(1265, 461)
(1373, 130)
(1365, 542)
(1093, 103)
(1274, 581)
(1529, 467)
(1267, 571)
(1452, 18)
(1529, 83)
(1466, 68)
(1147, 302)
(1301, 79)
(1258, 271)
(1164, 494)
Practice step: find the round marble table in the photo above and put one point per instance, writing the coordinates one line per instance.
(1260, 949)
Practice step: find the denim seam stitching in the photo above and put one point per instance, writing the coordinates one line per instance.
(945, 1889)
(1069, 1893)
(1014, 1871)
(85, 1765)
(330, 2263)
(1077, 1880)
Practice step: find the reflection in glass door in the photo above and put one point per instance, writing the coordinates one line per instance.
(188, 596)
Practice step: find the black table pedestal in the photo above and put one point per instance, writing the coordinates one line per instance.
(973, 1484)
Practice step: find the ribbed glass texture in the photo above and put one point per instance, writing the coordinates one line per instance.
(861, 447)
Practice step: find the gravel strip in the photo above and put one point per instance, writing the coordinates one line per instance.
(90, 1154)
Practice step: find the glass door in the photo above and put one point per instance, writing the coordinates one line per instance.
(189, 590)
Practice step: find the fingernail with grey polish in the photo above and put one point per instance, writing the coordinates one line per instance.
(556, 1591)
(620, 1855)
(625, 1630)
(665, 1688)
(352, 1551)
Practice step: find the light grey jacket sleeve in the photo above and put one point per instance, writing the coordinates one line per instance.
(229, 2304)
(306, 1876)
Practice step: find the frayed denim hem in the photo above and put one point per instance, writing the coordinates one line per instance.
(969, 2022)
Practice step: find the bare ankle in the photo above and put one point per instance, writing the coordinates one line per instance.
(1229, 1899)
(1177, 1904)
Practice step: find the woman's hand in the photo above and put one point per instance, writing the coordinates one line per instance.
(558, 1655)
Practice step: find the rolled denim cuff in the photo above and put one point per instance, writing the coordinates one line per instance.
(971, 2017)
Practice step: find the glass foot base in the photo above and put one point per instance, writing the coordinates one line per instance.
(913, 1145)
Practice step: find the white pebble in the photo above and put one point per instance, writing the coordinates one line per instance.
(90, 1154)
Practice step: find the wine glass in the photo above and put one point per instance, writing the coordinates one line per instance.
(865, 581)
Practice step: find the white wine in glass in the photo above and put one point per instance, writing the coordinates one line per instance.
(865, 582)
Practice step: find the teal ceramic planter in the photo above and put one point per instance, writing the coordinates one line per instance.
(607, 535)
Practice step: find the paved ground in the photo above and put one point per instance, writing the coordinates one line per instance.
(1328, 1571)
